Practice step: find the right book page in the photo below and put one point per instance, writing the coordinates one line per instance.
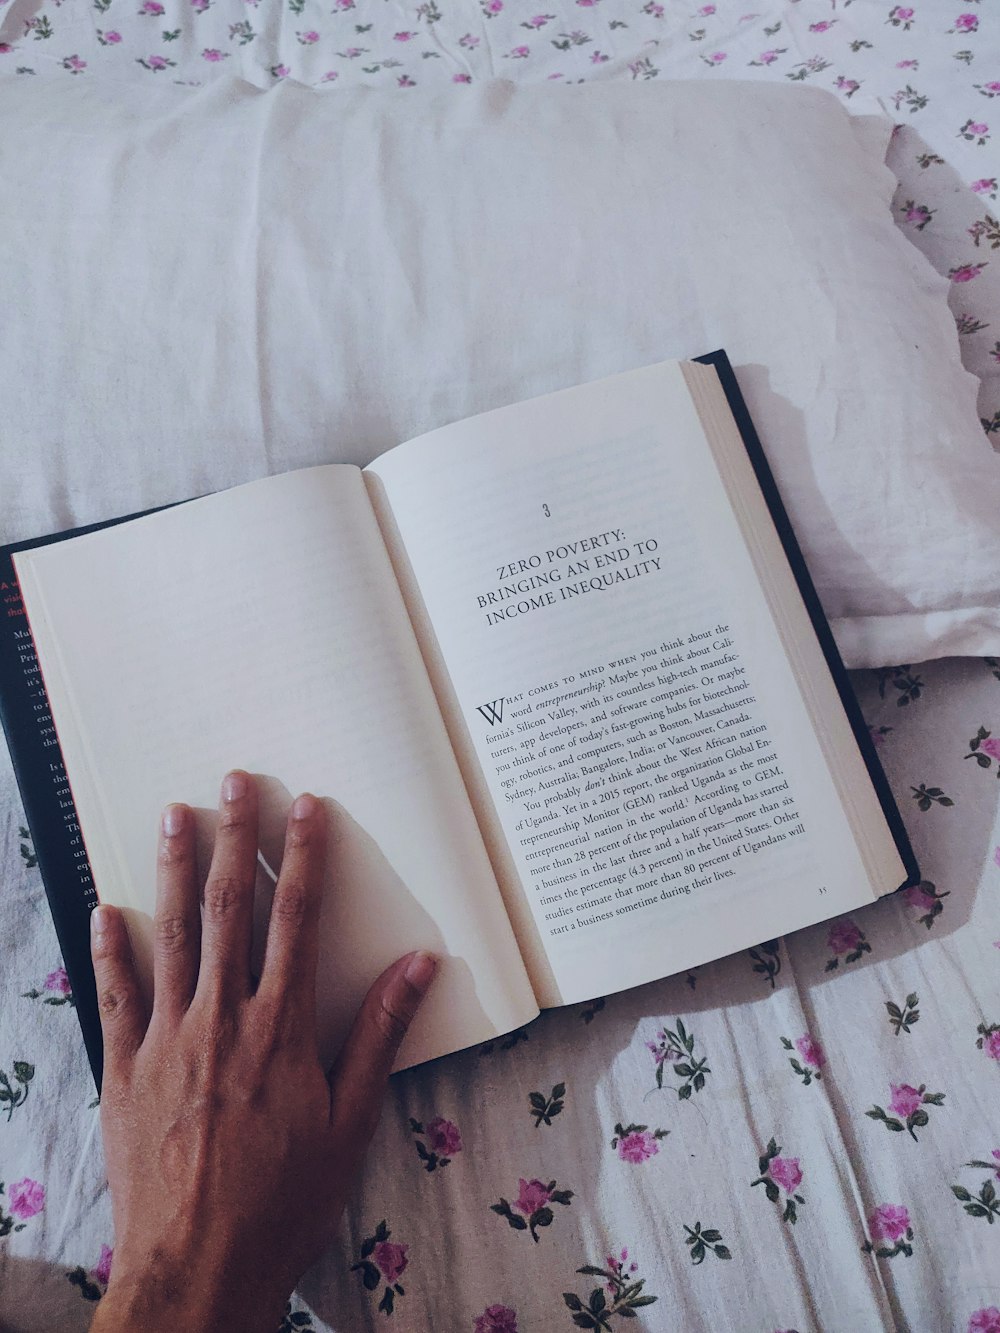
(658, 754)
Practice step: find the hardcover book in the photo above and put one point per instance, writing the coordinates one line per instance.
(558, 672)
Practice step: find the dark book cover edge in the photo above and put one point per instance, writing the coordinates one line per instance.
(821, 626)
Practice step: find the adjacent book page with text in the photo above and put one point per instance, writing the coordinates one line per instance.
(615, 677)
(262, 628)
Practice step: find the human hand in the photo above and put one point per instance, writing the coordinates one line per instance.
(230, 1150)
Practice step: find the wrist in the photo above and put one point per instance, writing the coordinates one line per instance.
(156, 1301)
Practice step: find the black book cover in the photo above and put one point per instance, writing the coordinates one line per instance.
(772, 497)
(48, 802)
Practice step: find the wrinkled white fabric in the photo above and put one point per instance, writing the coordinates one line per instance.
(201, 286)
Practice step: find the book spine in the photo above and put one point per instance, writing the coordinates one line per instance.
(48, 805)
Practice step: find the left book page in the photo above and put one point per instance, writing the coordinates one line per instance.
(262, 628)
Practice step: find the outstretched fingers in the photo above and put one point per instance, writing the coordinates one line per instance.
(227, 918)
(363, 1067)
(119, 998)
(288, 977)
(177, 923)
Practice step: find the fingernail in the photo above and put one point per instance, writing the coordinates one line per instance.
(305, 806)
(100, 919)
(234, 786)
(174, 817)
(420, 971)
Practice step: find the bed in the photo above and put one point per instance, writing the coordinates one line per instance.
(805, 1136)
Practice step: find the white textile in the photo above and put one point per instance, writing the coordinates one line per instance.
(203, 286)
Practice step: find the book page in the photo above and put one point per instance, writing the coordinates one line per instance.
(615, 678)
(262, 628)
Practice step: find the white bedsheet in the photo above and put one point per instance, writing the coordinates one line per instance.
(938, 68)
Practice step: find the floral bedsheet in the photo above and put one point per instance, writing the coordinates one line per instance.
(805, 1136)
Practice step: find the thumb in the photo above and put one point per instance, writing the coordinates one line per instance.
(362, 1069)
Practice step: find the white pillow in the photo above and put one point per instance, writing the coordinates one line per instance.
(201, 286)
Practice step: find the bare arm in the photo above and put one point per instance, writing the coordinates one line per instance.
(230, 1150)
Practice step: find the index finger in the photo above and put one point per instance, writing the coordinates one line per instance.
(288, 976)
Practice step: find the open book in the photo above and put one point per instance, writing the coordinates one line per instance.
(558, 670)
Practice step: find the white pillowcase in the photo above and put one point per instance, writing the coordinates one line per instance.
(201, 286)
